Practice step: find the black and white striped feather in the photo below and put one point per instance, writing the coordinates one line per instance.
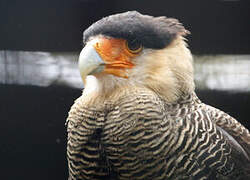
(143, 137)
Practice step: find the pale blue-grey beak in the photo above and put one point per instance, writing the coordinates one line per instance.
(90, 61)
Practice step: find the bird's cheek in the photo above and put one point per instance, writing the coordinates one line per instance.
(118, 66)
(116, 71)
(116, 61)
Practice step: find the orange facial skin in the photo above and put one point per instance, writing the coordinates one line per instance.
(116, 55)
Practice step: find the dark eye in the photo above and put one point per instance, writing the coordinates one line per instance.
(134, 46)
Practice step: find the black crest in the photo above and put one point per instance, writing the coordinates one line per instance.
(152, 32)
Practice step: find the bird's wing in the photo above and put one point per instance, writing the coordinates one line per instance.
(236, 133)
(86, 159)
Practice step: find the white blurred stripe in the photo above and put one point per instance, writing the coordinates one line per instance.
(223, 72)
(219, 72)
(39, 68)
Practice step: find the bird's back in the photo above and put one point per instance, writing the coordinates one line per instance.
(140, 136)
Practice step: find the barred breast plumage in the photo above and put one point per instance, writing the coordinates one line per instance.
(140, 136)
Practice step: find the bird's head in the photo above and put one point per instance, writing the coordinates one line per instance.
(138, 50)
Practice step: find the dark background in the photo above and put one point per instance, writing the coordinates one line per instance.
(32, 131)
(217, 26)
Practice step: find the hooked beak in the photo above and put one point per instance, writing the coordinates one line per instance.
(90, 62)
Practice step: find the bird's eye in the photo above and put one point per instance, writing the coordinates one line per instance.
(134, 46)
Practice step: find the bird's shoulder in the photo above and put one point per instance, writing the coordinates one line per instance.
(234, 133)
(230, 126)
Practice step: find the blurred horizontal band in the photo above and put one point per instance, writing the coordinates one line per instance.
(212, 72)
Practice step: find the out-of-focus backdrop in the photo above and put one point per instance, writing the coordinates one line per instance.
(39, 80)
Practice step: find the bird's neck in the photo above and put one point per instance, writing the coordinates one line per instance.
(100, 89)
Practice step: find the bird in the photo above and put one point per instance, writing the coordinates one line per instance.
(139, 117)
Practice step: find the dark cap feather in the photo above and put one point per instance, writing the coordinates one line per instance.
(152, 32)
